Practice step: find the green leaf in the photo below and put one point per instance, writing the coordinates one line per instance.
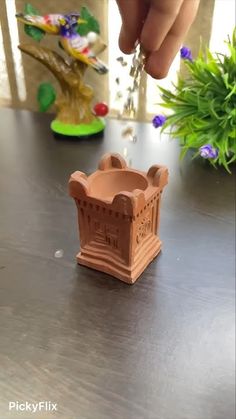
(183, 152)
(30, 10)
(233, 92)
(91, 24)
(234, 38)
(212, 63)
(35, 33)
(46, 96)
(232, 134)
(225, 77)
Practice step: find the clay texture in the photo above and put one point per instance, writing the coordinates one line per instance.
(118, 215)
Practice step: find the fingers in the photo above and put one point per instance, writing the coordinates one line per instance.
(159, 25)
(160, 18)
(133, 14)
(159, 61)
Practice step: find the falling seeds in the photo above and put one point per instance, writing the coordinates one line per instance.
(135, 85)
(125, 152)
(127, 131)
(128, 134)
(135, 72)
(122, 61)
(132, 72)
(59, 253)
(129, 107)
(135, 61)
(119, 95)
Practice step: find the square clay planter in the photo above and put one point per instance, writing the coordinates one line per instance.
(118, 214)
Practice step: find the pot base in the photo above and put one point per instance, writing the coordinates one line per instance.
(92, 258)
(80, 130)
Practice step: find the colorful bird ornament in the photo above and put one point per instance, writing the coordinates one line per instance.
(80, 47)
(49, 23)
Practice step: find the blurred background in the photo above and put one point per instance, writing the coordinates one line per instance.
(20, 75)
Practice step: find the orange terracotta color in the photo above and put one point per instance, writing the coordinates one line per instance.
(118, 213)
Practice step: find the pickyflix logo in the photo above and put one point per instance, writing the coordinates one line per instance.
(43, 406)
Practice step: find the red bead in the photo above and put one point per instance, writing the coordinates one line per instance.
(101, 109)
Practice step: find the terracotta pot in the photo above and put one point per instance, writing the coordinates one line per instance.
(118, 214)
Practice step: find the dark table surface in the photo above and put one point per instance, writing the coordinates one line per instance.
(160, 349)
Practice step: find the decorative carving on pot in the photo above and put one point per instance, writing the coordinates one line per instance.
(144, 229)
(118, 210)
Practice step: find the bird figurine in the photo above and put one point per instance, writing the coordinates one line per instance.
(80, 47)
(50, 23)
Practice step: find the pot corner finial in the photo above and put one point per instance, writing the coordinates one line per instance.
(78, 185)
(112, 161)
(159, 175)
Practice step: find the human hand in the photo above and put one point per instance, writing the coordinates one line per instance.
(159, 26)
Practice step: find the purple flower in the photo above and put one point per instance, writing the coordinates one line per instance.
(158, 121)
(186, 53)
(208, 152)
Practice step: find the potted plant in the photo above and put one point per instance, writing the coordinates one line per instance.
(77, 36)
(203, 106)
(118, 216)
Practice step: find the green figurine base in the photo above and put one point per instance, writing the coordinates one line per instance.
(81, 130)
